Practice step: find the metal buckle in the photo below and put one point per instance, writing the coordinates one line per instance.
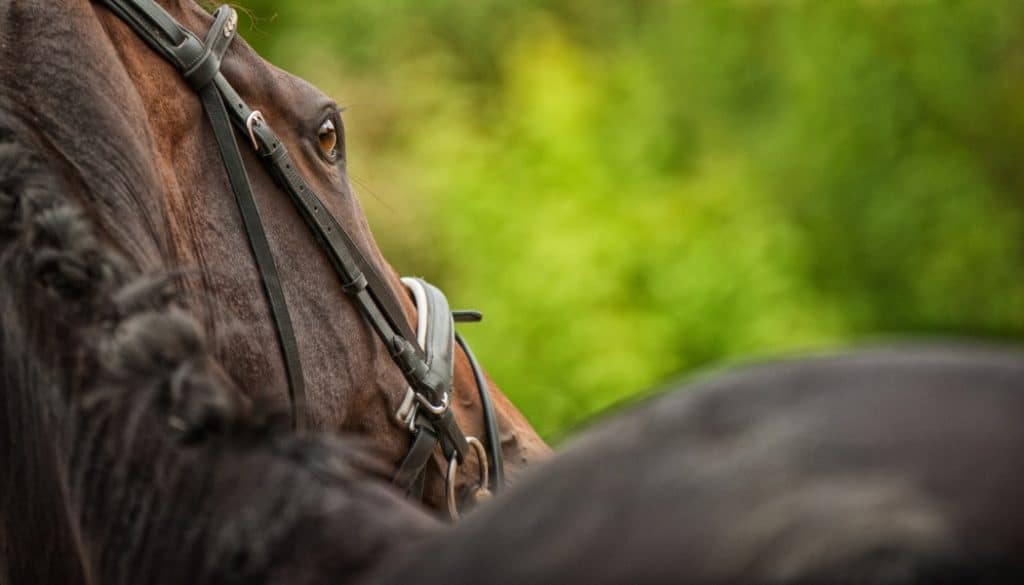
(407, 411)
(437, 409)
(256, 117)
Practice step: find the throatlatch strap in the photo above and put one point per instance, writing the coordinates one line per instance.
(217, 42)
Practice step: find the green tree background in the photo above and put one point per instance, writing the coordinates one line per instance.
(632, 189)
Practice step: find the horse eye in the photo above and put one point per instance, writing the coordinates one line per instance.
(327, 137)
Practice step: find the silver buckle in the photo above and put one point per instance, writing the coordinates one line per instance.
(407, 411)
(256, 117)
(438, 409)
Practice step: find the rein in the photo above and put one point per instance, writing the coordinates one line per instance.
(427, 366)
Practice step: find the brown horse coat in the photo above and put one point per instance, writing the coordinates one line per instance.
(131, 141)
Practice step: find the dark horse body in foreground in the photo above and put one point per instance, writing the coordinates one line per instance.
(888, 467)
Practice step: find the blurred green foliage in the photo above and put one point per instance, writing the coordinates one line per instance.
(630, 189)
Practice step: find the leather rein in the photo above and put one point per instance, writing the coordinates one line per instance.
(425, 357)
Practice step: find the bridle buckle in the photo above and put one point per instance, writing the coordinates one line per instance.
(410, 407)
(407, 411)
(435, 409)
(256, 117)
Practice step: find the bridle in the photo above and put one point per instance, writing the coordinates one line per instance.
(425, 358)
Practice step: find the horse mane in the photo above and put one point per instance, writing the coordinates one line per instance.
(132, 456)
(27, 411)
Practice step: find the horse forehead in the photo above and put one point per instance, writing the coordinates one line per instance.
(282, 95)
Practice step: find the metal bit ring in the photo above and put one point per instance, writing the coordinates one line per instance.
(483, 490)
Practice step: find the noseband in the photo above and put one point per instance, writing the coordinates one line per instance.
(425, 359)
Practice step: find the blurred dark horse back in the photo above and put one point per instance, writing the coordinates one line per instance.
(896, 466)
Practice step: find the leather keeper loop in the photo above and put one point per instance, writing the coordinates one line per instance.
(206, 68)
(357, 284)
(204, 71)
(430, 383)
(407, 359)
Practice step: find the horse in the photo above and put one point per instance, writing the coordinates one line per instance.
(128, 265)
(888, 466)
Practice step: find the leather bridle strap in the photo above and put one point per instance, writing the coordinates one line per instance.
(360, 280)
(200, 77)
(199, 71)
(496, 471)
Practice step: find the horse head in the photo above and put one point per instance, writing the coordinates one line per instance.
(134, 143)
